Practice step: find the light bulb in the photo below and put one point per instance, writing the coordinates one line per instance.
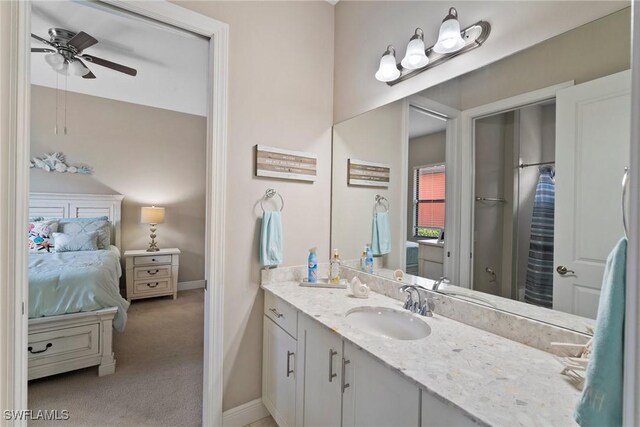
(415, 57)
(449, 39)
(77, 69)
(54, 60)
(388, 70)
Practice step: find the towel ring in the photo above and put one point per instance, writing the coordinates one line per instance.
(382, 201)
(269, 194)
(625, 178)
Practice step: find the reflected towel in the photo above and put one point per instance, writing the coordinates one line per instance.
(601, 400)
(381, 239)
(271, 239)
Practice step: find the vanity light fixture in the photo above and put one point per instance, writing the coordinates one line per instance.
(415, 57)
(451, 42)
(388, 70)
(449, 39)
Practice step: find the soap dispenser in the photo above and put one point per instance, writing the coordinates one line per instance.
(368, 259)
(334, 269)
(363, 260)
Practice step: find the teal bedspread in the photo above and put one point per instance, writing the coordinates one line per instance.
(74, 282)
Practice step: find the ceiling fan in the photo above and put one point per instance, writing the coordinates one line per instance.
(65, 53)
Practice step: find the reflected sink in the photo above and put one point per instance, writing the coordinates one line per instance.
(388, 323)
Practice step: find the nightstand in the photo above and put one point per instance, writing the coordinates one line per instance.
(152, 274)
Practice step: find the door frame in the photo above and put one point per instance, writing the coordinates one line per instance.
(14, 193)
(451, 238)
(464, 157)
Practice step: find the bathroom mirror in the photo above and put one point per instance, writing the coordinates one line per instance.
(506, 180)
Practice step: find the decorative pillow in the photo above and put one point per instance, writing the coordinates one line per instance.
(80, 242)
(41, 236)
(75, 226)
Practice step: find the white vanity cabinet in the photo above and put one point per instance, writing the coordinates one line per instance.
(436, 413)
(374, 395)
(279, 361)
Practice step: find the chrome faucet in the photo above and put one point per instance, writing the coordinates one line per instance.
(437, 283)
(422, 305)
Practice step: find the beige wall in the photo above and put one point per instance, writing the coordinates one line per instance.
(365, 28)
(375, 136)
(424, 150)
(150, 155)
(280, 94)
(595, 50)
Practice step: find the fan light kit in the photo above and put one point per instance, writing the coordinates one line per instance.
(451, 42)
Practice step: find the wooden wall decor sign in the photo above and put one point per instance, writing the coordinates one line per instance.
(285, 164)
(368, 174)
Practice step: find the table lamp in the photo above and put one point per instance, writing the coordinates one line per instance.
(152, 216)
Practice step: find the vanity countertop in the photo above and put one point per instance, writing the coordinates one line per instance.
(494, 380)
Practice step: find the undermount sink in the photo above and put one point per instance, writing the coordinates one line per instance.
(388, 323)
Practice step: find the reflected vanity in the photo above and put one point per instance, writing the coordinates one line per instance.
(507, 180)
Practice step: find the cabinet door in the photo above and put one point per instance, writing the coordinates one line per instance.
(322, 405)
(279, 373)
(375, 395)
(436, 413)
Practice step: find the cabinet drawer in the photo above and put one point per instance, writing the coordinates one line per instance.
(280, 312)
(63, 344)
(152, 259)
(151, 287)
(151, 272)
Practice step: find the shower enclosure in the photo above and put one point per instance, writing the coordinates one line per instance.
(513, 212)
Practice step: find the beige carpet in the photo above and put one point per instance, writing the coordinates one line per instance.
(158, 379)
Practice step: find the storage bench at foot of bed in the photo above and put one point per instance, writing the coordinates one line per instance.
(71, 341)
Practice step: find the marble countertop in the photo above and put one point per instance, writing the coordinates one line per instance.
(494, 380)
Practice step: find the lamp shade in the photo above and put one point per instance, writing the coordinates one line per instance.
(415, 57)
(449, 39)
(77, 69)
(388, 70)
(152, 215)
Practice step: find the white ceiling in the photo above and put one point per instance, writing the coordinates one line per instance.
(171, 63)
(421, 124)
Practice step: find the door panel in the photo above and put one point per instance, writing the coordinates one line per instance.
(592, 149)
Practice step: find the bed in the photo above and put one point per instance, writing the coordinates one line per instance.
(74, 299)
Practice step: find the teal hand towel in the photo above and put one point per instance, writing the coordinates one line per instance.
(271, 239)
(381, 239)
(601, 402)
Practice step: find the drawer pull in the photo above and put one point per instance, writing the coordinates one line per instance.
(289, 370)
(153, 272)
(154, 285)
(153, 259)
(276, 313)
(332, 375)
(47, 347)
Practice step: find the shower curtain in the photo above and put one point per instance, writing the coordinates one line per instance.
(539, 284)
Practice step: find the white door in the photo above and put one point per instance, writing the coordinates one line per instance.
(322, 406)
(592, 150)
(375, 395)
(279, 373)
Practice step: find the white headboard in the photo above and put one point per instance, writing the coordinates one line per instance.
(66, 205)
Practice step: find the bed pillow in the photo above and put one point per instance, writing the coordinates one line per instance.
(80, 242)
(41, 236)
(75, 226)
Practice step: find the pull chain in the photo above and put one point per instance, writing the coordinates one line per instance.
(65, 103)
(55, 127)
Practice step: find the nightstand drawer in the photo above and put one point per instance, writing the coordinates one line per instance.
(63, 344)
(152, 259)
(151, 287)
(151, 273)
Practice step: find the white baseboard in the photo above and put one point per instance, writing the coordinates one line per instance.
(194, 284)
(245, 414)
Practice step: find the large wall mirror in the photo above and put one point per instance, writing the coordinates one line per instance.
(506, 180)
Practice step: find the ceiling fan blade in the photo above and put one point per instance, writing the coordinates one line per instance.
(45, 41)
(81, 41)
(42, 50)
(89, 75)
(104, 63)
